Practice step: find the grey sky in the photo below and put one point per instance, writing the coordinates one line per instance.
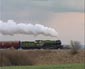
(37, 10)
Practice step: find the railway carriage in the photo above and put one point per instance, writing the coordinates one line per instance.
(9, 44)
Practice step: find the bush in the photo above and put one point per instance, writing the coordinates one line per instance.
(14, 57)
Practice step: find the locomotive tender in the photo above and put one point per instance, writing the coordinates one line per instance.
(37, 44)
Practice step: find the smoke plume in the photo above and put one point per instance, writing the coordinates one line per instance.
(11, 28)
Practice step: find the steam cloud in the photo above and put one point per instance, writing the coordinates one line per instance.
(11, 28)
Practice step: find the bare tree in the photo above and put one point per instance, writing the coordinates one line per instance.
(75, 46)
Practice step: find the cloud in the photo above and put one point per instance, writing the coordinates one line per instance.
(60, 5)
(50, 5)
(37, 10)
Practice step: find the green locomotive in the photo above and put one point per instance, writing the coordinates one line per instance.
(41, 44)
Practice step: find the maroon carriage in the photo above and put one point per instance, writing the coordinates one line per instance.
(9, 44)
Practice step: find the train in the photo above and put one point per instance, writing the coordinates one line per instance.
(37, 44)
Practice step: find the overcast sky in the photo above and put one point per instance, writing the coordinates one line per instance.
(66, 16)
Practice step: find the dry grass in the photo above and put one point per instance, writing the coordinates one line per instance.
(39, 57)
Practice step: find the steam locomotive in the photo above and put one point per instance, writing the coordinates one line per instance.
(37, 44)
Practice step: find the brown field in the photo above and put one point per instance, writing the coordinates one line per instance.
(39, 57)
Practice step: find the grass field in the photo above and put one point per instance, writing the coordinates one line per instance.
(65, 66)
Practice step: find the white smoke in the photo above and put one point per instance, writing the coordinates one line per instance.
(11, 28)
